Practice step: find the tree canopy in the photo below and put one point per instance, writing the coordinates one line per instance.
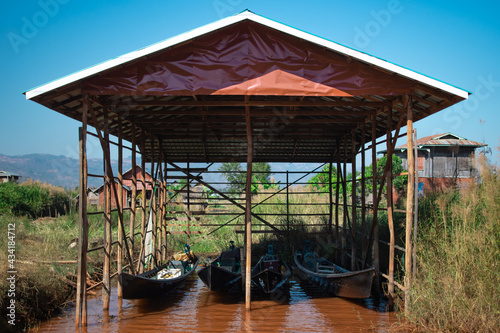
(236, 175)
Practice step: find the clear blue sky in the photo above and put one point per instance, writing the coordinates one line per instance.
(454, 41)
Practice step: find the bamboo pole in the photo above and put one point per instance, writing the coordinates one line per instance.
(143, 201)
(188, 206)
(106, 285)
(337, 197)
(363, 191)
(415, 221)
(288, 210)
(81, 290)
(152, 203)
(330, 208)
(345, 211)
(248, 213)
(134, 196)
(121, 236)
(354, 201)
(410, 201)
(376, 245)
(162, 211)
(390, 218)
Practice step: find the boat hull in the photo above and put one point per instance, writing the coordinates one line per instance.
(218, 278)
(356, 284)
(145, 286)
(269, 276)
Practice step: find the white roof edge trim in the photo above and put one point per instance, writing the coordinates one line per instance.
(259, 19)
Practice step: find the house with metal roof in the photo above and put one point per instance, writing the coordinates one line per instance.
(443, 160)
(6, 177)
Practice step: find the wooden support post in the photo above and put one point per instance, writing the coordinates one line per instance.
(143, 202)
(345, 210)
(410, 202)
(133, 204)
(248, 213)
(188, 205)
(375, 248)
(119, 191)
(363, 190)
(354, 262)
(415, 220)
(288, 211)
(108, 182)
(330, 210)
(152, 203)
(390, 219)
(81, 285)
(337, 197)
(164, 205)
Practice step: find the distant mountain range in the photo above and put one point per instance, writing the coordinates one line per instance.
(56, 170)
(63, 171)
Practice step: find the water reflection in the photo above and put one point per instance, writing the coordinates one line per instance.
(195, 309)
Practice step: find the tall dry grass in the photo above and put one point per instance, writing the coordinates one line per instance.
(457, 285)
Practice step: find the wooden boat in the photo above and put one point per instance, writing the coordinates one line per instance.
(270, 274)
(224, 272)
(159, 280)
(333, 279)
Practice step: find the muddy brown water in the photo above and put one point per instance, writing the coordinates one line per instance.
(192, 308)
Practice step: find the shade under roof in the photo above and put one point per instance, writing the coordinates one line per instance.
(310, 99)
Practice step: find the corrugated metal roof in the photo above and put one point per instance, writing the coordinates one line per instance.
(8, 174)
(445, 139)
(210, 127)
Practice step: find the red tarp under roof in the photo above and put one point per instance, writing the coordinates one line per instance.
(247, 58)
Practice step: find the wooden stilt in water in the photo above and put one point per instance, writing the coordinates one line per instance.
(133, 204)
(143, 203)
(363, 191)
(410, 202)
(337, 205)
(81, 285)
(354, 262)
(119, 192)
(248, 213)
(108, 182)
(390, 216)
(345, 210)
(375, 247)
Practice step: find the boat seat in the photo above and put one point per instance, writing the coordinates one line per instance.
(325, 269)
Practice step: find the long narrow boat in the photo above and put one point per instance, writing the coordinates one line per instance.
(224, 272)
(270, 274)
(159, 280)
(333, 279)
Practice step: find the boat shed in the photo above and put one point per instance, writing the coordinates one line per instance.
(246, 89)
